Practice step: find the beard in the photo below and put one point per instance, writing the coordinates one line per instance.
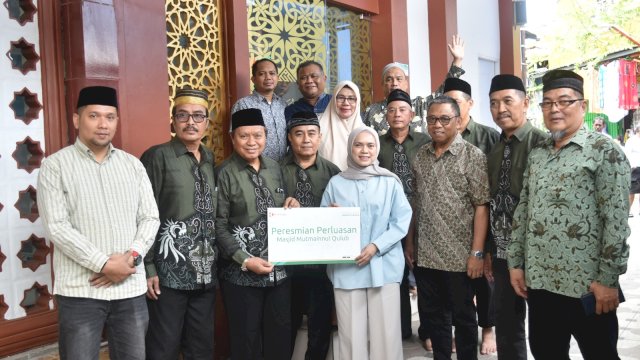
(558, 135)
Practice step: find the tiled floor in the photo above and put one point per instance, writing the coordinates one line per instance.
(628, 316)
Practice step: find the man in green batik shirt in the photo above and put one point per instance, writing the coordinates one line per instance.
(306, 175)
(570, 230)
(398, 147)
(396, 76)
(506, 162)
(181, 266)
(478, 135)
(256, 293)
(482, 137)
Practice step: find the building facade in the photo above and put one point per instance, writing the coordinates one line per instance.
(148, 48)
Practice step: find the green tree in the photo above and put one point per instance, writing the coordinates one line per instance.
(579, 31)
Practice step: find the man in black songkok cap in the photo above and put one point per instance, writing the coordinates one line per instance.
(307, 174)
(99, 210)
(506, 163)
(484, 138)
(568, 246)
(477, 134)
(181, 267)
(256, 292)
(397, 148)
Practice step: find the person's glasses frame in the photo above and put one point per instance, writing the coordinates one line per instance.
(561, 104)
(444, 120)
(351, 99)
(183, 117)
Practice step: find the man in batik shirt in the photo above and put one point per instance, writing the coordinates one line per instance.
(181, 266)
(306, 175)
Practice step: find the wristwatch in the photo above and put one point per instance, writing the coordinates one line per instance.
(478, 254)
(137, 258)
(243, 267)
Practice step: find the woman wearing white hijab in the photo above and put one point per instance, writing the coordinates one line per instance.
(367, 294)
(339, 119)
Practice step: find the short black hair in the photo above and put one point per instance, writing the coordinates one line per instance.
(254, 67)
(307, 63)
(444, 99)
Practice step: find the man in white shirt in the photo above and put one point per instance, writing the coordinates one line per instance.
(632, 150)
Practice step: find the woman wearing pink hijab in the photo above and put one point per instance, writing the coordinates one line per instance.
(339, 119)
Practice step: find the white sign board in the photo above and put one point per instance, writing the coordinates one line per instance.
(326, 235)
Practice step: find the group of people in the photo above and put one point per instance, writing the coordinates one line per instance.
(484, 220)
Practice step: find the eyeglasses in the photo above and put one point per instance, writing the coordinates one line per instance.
(561, 104)
(183, 117)
(444, 120)
(351, 99)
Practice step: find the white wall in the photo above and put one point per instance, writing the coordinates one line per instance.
(419, 64)
(479, 27)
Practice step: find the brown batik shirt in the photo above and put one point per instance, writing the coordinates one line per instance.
(446, 190)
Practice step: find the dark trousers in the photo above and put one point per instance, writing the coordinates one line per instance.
(312, 293)
(483, 290)
(405, 305)
(554, 318)
(448, 300)
(510, 311)
(181, 321)
(81, 321)
(259, 321)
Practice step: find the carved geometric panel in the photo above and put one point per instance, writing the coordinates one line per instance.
(36, 299)
(25, 105)
(2, 258)
(23, 56)
(3, 307)
(33, 252)
(287, 32)
(349, 23)
(27, 204)
(28, 154)
(195, 54)
(21, 11)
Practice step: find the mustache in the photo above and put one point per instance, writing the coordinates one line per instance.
(190, 127)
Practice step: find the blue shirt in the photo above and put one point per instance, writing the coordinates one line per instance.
(302, 105)
(385, 214)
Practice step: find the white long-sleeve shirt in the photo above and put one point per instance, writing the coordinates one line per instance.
(91, 210)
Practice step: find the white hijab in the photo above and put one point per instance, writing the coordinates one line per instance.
(335, 131)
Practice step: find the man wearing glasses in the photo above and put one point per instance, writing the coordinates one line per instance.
(181, 266)
(451, 217)
(568, 245)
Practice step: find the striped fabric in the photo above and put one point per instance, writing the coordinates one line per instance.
(91, 210)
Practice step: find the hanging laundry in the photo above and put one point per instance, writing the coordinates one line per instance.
(628, 95)
(611, 92)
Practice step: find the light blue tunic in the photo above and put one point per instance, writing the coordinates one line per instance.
(385, 215)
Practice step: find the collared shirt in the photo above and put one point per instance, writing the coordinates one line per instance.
(503, 203)
(570, 227)
(447, 190)
(375, 114)
(302, 105)
(307, 185)
(184, 253)
(91, 210)
(274, 121)
(244, 195)
(481, 136)
(632, 150)
(398, 158)
(385, 215)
